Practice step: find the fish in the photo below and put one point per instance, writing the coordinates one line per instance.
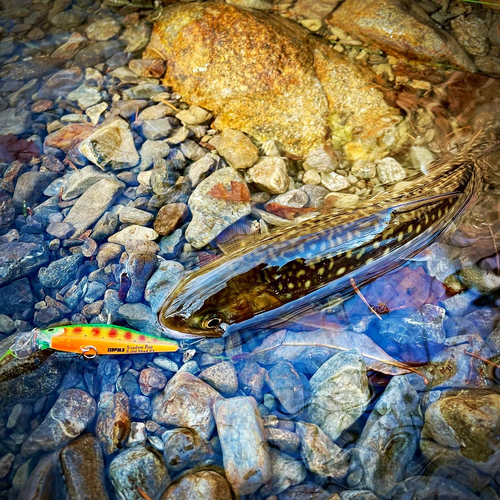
(292, 271)
(89, 340)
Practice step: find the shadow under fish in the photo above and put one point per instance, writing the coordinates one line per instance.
(291, 272)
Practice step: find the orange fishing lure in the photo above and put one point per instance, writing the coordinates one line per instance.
(91, 340)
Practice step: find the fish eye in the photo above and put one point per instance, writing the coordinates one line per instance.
(212, 322)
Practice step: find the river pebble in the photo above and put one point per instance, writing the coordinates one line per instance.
(30, 187)
(86, 96)
(222, 377)
(69, 417)
(151, 381)
(339, 393)
(269, 174)
(388, 441)
(83, 467)
(15, 120)
(137, 469)
(93, 203)
(458, 436)
(170, 217)
(199, 485)
(212, 215)
(103, 30)
(60, 272)
(246, 460)
(471, 33)
(17, 259)
(287, 385)
(389, 170)
(238, 149)
(111, 146)
(133, 233)
(113, 421)
(320, 161)
(320, 454)
(187, 402)
(286, 471)
(184, 448)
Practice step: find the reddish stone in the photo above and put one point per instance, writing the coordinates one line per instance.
(152, 380)
(69, 136)
(170, 217)
(113, 422)
(41, 106)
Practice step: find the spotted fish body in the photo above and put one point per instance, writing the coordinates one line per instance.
(289, 272)
(91, 340)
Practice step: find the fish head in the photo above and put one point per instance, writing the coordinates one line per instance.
(212, 305)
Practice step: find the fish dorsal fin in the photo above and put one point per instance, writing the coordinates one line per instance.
(408, 206)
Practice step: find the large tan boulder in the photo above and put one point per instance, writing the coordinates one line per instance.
(264, 75)
(401, 28)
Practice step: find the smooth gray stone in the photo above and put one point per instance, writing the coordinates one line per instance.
(246, 460)
(17, 259)
(339, 393)
(389, 439)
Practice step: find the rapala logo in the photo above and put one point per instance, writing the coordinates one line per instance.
(116, 349)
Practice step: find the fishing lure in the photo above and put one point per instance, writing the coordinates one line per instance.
(89, 340)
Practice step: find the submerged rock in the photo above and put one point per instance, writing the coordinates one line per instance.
(136, 469)
(271, 80)
(423, 488)
(400, 27)
(243, 442)
(69, 417)
(388, 441)
(26, 380)
(187, 402)
(287, 386)
(111, 146)
(286, 472)
(113, 421)
(93, 203)
(199, 485)
(17, 259)
(339, 393)
(183, 447)
(83, 466)
(320, 454)
(459, 436)
(212, 215)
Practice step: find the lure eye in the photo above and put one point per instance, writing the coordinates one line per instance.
(212, 322)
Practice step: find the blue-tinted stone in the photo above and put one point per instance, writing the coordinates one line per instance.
(108, 372)
(17, 259)
(140, 407)
(16, 297)
(130, 384)
(95, 291)
(61, 272)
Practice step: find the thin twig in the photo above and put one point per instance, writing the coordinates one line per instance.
(401, 366)
(169, 104)
(496, 250)
(356, 289)
(162, 57)
(481, 358)
(143, 493)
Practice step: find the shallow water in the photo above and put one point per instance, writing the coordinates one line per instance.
(400, 401)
